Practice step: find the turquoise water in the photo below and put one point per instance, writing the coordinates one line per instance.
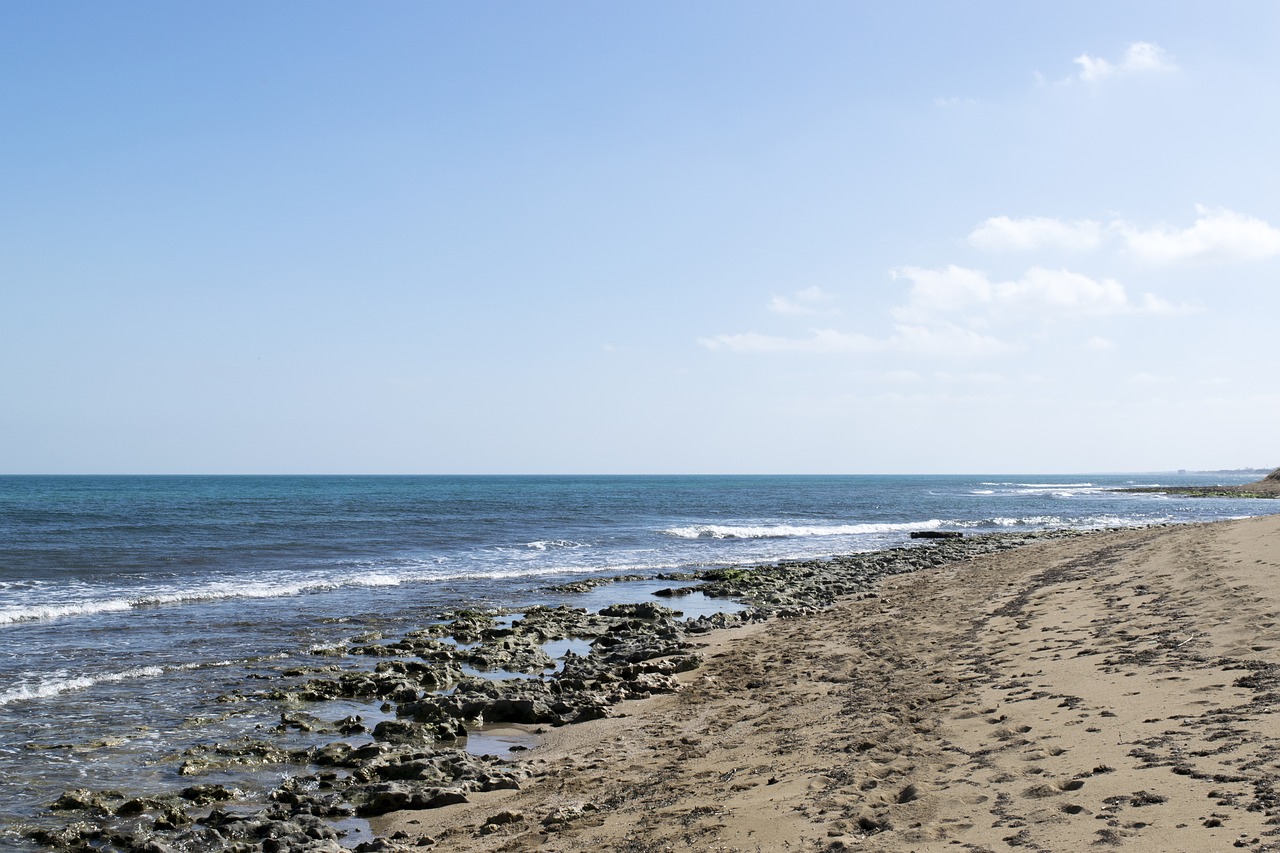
(127, 604)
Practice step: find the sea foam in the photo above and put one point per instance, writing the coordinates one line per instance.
(789, 531)
(53, 684)
(63, 683)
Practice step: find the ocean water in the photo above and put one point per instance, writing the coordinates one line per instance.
(129, 604)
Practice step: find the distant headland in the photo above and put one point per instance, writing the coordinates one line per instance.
(1267, 487)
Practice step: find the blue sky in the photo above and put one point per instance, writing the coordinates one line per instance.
(638, 237)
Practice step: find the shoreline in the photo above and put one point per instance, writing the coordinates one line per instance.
(835, 710)
(1117, 690)
(1266, 488)
(410, 698)
(1251, 490)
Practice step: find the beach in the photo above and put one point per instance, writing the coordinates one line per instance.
(981, 681)
(1117, 690)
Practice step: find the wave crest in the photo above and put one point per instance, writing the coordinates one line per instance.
(549, 544)
(66, 684)
(793, 531)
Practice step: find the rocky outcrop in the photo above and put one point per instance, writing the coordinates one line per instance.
(405, 752)
(1267, 487)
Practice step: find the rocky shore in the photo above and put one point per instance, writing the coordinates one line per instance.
(423, 695)
(1116, 691)
(1267, 487)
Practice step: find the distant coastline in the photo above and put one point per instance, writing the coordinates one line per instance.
(1267, 487)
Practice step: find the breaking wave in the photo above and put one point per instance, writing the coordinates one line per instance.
(61, 682)
(792, 531)
(209, 592)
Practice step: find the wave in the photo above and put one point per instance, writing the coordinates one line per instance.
(549, 544)
(48, 612)
(1025, 521)
(1087, 522)
(1043, 485)
(66, 684)
(791, 531)
(429, 571)
(210, 592)
(1047, 490)
(59, 682)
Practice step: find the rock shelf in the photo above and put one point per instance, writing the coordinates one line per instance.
(413, 756)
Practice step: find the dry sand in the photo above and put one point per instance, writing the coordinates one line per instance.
(1117, 690)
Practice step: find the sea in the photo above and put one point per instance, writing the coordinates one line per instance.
(128, 605)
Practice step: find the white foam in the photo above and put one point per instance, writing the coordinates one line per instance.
(1028, 521)
(1009, 485)
(61, 683)
(1055, 485)
(46, 612)
(208, 592)
(1088, 522)
(790, 531)
(546, 544)
(220, 591)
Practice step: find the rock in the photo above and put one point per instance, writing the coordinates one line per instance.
(406, 731)
(133, 807)
(649, 683)
(203, 795)
(383, 845)
(592, 712)
(643, 610)
(76, 835)
(83, 799)
(501, 819)
(397, 797)
(562, 816)
(336, 754)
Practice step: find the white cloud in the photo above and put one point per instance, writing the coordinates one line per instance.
(946, 291)
(1097, 343)
(946, 339)
(943, 339)
(811, 300)
(1141, 57)
(957, 311)
(1001, 233)
(1041, 289)
(1218, 234)
(960, 294)
(819, 340)
(1152, 304)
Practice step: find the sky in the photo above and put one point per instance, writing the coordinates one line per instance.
(659, 237)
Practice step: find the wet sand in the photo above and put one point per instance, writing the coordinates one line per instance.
(1117, 690)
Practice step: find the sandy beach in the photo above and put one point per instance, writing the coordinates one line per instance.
(1114, 690)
